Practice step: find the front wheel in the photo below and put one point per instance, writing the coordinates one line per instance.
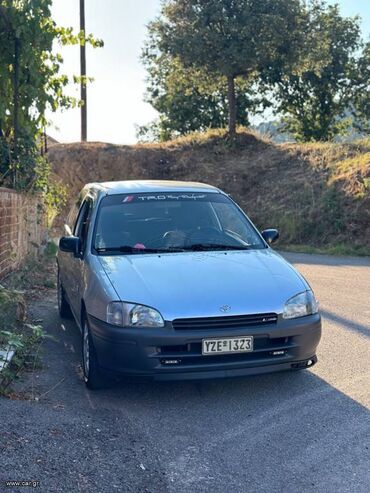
(92, 375)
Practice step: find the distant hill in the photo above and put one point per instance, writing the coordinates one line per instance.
(273, 130)
(317, 194)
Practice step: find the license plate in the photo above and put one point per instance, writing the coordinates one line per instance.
(227, 345)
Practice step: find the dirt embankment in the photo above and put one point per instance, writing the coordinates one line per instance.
(317, 194)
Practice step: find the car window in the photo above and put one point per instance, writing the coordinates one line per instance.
(72, 216)
(171, 220)
(147, 223)
(83, 221)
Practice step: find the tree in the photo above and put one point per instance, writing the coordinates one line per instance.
(230, 38)
(315, 103)
(30, 82)
(361, 99)
(188, 99)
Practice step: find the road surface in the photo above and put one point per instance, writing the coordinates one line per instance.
(289, 432)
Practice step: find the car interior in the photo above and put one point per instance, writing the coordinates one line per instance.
(156, 225)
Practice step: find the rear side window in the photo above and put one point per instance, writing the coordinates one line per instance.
(82, 224)
(72, 217)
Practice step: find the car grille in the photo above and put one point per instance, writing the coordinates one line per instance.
(224, 322)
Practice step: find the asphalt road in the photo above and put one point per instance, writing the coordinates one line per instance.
(288, 432)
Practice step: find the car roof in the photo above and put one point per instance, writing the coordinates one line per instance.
(141, 186)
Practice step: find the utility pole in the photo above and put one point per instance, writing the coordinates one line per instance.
(83, 75)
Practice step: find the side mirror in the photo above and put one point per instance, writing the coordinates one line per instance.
(70, 244)
(270, 235)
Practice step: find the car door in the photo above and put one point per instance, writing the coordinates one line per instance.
(77, 263)
(64, 259)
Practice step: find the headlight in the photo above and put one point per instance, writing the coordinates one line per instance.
(132, 315)
(300, 305)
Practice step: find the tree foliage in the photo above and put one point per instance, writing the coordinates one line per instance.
(316, 103)
(190, 99)
(360, 104)
(30, 82)
(213, 61)
(226, 39)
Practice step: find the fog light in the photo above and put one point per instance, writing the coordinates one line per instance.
(170, 361)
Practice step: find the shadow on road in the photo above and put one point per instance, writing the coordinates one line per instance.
(291, 431)
(346, 323)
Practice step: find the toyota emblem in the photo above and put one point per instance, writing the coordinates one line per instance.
(225, 308)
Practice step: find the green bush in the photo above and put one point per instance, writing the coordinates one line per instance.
(15, 335)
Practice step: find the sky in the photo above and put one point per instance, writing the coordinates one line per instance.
(116, 97)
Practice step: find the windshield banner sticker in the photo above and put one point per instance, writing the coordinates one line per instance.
(167, 196)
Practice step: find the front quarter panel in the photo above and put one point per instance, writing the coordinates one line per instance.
(294, 269)
(98, 290)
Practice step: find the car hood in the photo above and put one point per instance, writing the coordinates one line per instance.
(198, 284)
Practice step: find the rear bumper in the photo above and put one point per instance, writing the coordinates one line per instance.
(168, 354)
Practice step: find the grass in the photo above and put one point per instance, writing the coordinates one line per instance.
(339, 250)
(35, 274)
(209, 137)
(354, 173)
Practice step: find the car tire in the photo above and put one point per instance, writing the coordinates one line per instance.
(63, 305)
(90, 366)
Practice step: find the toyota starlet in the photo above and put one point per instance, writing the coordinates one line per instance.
(172, 281)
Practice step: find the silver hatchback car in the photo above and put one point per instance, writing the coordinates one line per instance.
(171, 280)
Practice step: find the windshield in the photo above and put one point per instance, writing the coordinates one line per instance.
(169, 222)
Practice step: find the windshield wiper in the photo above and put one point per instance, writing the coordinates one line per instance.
(125, 249)
(131, 249)
(197, 247)
(216, 246)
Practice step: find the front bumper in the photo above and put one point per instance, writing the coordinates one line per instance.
(168, 354)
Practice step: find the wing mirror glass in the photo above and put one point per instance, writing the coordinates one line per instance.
(270, 235)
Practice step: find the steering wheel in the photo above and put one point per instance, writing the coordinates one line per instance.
(207, 233)
(164, 239)
(175, 238)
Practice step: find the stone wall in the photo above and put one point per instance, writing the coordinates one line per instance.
(22, 228)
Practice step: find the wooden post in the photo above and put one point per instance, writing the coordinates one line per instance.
(83, 75)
